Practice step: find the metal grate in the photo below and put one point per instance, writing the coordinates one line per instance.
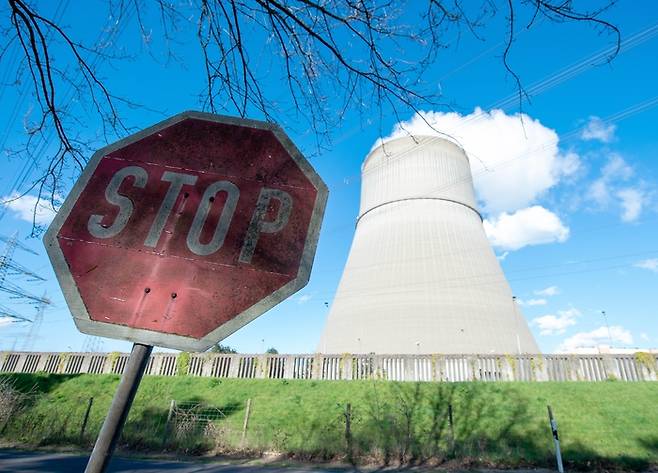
(31, 363)
(10, 363)
(52, 363)
(221, 366)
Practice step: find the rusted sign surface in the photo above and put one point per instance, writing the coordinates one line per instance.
(183, 233)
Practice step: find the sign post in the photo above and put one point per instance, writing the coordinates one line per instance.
(181, 234)
(116, 416)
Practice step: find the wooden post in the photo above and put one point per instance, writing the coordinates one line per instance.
(170, 414)
(348, 432)
(246, 423)
(451, 426)
(86, 418)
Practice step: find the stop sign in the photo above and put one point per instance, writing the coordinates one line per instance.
(182, 233)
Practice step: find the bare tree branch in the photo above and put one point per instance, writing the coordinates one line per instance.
(333, 57)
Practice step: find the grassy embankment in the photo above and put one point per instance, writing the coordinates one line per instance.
(610, 424)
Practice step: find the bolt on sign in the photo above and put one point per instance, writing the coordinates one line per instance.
(184, 232)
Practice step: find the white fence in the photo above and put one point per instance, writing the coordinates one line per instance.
(637, 367)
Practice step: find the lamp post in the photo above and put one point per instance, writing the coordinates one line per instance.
(516, 320)
(605, 318)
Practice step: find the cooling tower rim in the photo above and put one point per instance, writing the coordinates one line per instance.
(413, 138)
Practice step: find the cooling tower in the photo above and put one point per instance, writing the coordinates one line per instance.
(421, 276)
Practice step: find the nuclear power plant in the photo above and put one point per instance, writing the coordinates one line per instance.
(421, 276)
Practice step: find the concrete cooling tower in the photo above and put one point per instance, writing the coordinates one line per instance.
(421, 276)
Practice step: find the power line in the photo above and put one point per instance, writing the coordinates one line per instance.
(545, 84)
(43, 142)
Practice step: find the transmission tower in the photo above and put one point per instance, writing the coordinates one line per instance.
(33, 332)
(8, 268)
(92, 344)
(15, 317)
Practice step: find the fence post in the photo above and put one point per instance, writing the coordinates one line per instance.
(170, 415)
(245, 423)
(556, 439)
(451, 426)
(86, 418)
(348, 432)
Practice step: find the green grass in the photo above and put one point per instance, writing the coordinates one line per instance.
(610, 424)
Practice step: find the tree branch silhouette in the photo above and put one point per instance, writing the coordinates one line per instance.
(333, 57)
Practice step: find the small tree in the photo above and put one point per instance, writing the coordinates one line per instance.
(272, 351)
(219, 348)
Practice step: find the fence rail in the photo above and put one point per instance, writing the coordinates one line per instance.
(637, 367)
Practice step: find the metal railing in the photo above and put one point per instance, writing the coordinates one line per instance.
(449, 368)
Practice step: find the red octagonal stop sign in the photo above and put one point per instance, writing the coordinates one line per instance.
(181, 234)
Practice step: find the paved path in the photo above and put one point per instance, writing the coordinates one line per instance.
(31, 462)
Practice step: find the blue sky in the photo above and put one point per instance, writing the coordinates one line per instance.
(569, 194)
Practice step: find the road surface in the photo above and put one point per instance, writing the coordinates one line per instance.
(31, 462)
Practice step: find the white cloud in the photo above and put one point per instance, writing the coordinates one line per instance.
(548, 291)
(651, 264)
(556, 324)
(599, 192)
(596, 337)
(632, 201)
(304, 298)
(532, 302)
(616, 169)
(502, 256)
(597, 129)
(530, 226)
(24, 208)
(524, 158)
(6, 321)
(569, 164)
(644, 337)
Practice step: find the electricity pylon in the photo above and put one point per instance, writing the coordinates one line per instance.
(33, 333)
(9, 267)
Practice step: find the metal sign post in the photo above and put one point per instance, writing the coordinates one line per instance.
(116, 416)
(556, 439)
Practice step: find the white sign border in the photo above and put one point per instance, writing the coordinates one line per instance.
(83, 321)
